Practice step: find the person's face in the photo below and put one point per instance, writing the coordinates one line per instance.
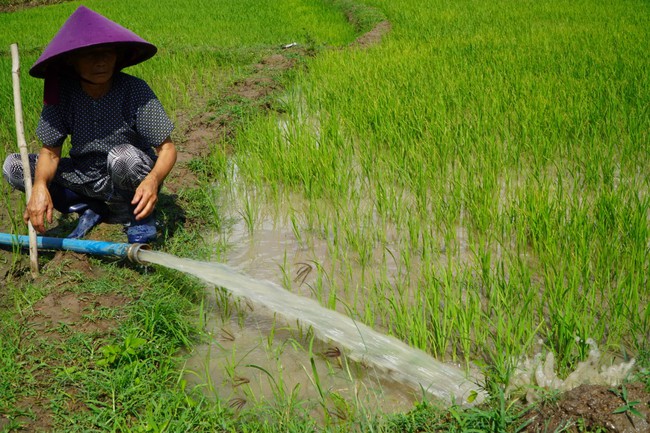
(95, 65)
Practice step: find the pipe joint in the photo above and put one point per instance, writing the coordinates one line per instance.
(134, 249)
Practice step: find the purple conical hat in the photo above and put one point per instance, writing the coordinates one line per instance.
(86, 28)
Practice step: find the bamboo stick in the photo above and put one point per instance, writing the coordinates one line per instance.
(22, 145)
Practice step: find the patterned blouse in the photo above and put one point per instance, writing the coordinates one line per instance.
(129, 113)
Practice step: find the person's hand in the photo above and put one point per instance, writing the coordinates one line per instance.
(145, 197)
(39, 208)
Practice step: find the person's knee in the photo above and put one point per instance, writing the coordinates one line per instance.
(128, 166)
(12, 171)
(120, 157)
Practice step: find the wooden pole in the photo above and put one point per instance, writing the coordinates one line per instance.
(24, 157)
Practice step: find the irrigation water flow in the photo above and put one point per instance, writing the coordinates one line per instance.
(397, 360)
(391, 356)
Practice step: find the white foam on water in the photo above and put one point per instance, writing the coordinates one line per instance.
(396, 359)
(540, 371)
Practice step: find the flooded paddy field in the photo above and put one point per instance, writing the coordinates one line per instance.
(470, 180)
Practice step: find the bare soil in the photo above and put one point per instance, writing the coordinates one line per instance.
(374, 36)
(594, 409)
(16, 5)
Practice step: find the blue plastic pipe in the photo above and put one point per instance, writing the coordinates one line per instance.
(100, 248)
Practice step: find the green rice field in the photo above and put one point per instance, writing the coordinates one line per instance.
(498, 156)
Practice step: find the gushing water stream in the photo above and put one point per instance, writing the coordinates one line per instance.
(399, 361)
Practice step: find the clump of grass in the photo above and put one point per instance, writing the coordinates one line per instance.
(499, 417)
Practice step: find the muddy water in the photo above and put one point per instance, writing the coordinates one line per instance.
(273, 254)
(380, 354)
(262, 344)
(258, 338)
(234, 368)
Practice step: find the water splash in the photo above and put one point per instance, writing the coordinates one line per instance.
(540, 372)
(397, 360)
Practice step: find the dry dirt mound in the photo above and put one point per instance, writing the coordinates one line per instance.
(590, 408)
